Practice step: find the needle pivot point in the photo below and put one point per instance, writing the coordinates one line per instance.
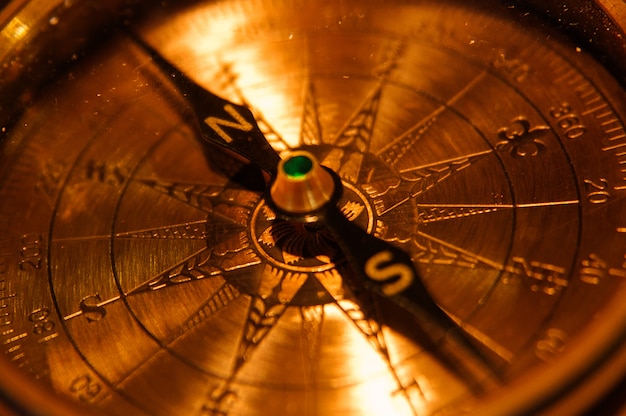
(302, 185)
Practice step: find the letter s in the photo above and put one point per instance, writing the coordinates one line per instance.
(375, 271)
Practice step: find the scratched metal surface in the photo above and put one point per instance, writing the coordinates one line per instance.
(143, 274)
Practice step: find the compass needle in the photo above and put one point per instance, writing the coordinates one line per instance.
(269, 207)
(362, 250)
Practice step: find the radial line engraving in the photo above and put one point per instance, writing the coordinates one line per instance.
(193, 230)
(221, 298)
(425, 177)
(195, 267)
(395, 150)
(310, 127)
(495, 265)
(509, 206)
(228, 79)
(484, 339)
(441, 212)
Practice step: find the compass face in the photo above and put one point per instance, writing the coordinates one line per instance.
(143, 272)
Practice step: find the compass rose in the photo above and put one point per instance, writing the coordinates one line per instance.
(264, 274)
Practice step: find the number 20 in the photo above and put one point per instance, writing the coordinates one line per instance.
(597, 191)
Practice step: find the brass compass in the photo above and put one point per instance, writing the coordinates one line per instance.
(311, 207)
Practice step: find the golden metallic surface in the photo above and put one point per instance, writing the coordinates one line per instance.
(143, 273)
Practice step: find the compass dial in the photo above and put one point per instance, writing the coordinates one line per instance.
(144, 272)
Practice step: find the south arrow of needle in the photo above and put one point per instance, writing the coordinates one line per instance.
(379, 266)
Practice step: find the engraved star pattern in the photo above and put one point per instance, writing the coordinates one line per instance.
(254, 275)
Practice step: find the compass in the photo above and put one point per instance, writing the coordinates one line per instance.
(311, 207)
